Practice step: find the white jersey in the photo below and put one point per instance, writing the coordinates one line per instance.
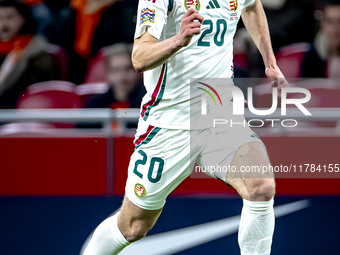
(209, 55)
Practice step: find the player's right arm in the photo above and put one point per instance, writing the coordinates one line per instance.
(255, 21)
(148, 53)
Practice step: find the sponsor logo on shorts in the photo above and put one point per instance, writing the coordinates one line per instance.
(140, 190)
(147, 15)
(192, 4)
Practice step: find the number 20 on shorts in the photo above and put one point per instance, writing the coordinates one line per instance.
(153, 162)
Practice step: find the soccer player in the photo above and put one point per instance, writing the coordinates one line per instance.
(175, 41)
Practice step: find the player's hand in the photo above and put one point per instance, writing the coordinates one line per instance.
(279, 81)
(190, 25)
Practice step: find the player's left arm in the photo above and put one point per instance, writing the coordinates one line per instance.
(256, 23)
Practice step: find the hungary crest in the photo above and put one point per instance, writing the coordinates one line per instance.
(140, 190)
(233, 5)
(192, 3)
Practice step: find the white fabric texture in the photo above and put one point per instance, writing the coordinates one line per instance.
(256, 227)
(208, 55)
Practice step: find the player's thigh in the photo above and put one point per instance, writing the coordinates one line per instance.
(256, 161)
(237, 156)
(223, 144)
(252, 176)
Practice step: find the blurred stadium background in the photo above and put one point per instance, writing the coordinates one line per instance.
(68, 110)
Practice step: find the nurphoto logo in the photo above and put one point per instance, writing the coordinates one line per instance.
(238, 102)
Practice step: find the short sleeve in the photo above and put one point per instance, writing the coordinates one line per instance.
(249, 3)
(152, 15)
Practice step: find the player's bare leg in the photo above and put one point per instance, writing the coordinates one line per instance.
(257, 219)
(118, 231)
(134, 222)
(254, 186)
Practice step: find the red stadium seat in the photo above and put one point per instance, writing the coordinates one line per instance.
(96, 69)
(60, 59)
(88, 91)
(290, 57)
(50, 95)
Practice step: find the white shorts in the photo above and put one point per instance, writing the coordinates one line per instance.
(163, 158)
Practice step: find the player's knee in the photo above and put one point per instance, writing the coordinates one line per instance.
(262, 190)
(135, 233)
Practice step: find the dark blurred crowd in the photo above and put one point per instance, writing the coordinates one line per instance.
(89, 42)
(59, 40)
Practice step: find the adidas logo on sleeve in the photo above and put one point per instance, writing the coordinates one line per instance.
(213, 4)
